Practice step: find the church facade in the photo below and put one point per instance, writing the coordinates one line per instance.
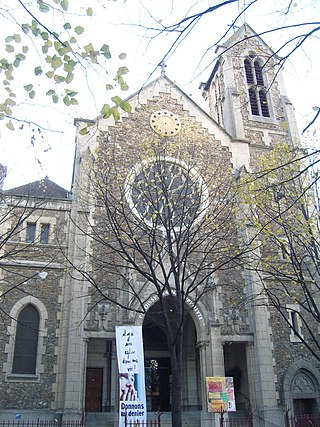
(61, 296)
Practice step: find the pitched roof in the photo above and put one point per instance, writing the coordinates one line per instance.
(42, 188)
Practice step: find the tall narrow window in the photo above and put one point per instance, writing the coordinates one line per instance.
(295, 322)
(253, 102)
(258, 73)
(44, 233)
(31, 232)
(248, 69)
(256, 87)
(26, 341)
(264, 103)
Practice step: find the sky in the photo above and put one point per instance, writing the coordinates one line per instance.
(30, 154)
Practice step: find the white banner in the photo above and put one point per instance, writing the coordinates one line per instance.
(132, 398)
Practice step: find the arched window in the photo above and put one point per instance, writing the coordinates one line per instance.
(256, 87)
(253, 102)
(26, 341)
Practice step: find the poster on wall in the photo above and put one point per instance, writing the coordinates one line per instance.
(220, 393)
(132, 395)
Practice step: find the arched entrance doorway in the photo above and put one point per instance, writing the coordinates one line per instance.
(158, 369)
(301, 388)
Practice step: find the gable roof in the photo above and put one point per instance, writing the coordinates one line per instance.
(163, 84)
(42, 188)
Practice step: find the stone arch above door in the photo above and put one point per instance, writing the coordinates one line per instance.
(198, 313)
(301, 383)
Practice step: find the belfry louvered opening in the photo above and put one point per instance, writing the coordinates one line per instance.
(256, 87)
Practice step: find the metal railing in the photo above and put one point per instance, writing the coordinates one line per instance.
(238, 422)
(42, 423)
(307, 420)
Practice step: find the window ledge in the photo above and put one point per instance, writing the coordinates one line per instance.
(295, 340)
(262, 119)
(22, 378)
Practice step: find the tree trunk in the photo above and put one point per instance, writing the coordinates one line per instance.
(176, 390)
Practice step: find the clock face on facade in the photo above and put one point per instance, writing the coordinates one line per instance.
(166, 193)
(165, 123)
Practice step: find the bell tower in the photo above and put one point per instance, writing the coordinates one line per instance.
(246, 92)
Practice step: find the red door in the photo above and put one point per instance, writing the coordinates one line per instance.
(94, 390)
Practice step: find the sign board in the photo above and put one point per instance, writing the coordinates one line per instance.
(220, 394)
(132, 396)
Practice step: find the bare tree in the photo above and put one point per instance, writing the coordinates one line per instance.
(160, 229)
(294, 35)
(281, 199)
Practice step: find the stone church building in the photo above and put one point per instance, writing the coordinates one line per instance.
(58, 354)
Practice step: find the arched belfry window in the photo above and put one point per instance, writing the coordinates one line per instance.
(26, 341)
(256, 87)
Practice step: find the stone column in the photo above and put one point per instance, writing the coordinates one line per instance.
(214, 367)
(262, 377)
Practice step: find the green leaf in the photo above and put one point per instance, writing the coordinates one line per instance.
(55, 98)
(65, 4)
(9, 48)
(117, 100)
(57, 45)
(44, 35)
(125, 106)
(122, 56)
(79, 30)
(25, 49)
(43, 7)
(70, 92)
(50, 74)
(17, 38)
(9, 39)
(50, 92)
(122, 83)
(115, 113)
(69, 77)
(89, 11)
(109, 87)
(73, 101)
(67, 26)
(88, 47)
(73, 40)
(59, 79)
(124, 86)
(9, 125)
(106, 111)
(28, 87)
(105, 50)
(122, 71)
(66, 100)
(56, 62)
(38, 71)
(25, 28)
(20, 56)
(84, 131)
(32, 94)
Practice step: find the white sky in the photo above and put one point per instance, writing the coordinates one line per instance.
(114, 23)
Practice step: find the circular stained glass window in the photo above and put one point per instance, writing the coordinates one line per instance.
(166, 193)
